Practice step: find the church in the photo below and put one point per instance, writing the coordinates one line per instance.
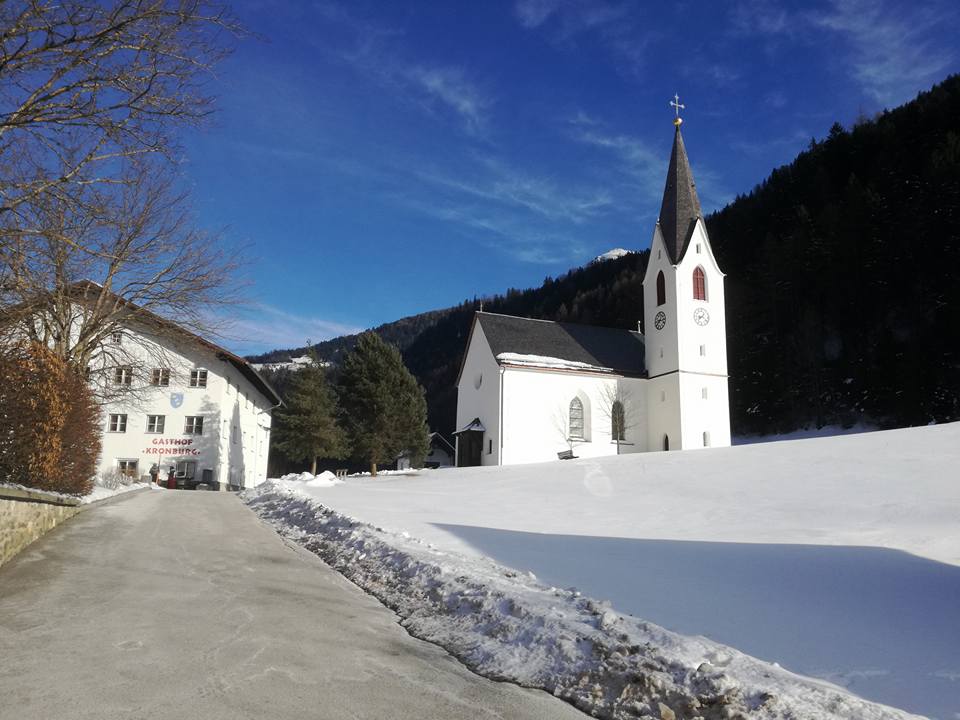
(535, 390)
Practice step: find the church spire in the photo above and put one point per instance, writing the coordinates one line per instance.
(681, 206)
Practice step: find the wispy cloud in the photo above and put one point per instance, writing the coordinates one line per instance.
(439, 88)
(614, 24)
(262, 327)
(894, 48)
(634, 157)
(450, 87)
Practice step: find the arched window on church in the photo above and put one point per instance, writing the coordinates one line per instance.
(699, 284)
(618, 421)
(666, 442)
(576, 418)
(661, 289)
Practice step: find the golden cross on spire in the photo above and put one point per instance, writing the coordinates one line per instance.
(677, 107)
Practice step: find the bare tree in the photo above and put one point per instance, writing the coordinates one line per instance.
(616, 404)
(115, 257)
(116, 78)
(92, 96)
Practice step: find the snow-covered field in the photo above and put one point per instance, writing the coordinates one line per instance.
(834, 557)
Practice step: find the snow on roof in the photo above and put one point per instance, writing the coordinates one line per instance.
(621, 351)
(544, 361)
(474, 424)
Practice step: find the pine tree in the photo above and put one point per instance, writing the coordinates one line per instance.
(383, 406)
(307, 427)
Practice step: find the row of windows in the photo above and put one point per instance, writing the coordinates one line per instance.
(193, 424)
(160, 377)
(699, 286)
(618, 420)
(184, 468)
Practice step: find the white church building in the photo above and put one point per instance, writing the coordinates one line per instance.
(535, 390)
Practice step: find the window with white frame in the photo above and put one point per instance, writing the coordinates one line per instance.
(198, 378)
(703, 351)
(123, 376)
(116, 337)
(161, 377)
(118, 423)
(193, 425)
(155, 423)
(703, 393)
(186, 469)
(706, 439)
(576, 418)
(127, 467)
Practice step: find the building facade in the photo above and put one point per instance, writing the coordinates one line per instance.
(535, 390)
(176, 403)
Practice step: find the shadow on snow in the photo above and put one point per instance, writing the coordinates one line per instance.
(883, 623)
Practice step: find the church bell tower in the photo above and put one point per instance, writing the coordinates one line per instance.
(684, 320)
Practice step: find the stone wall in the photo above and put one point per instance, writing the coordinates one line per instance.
(26, 515)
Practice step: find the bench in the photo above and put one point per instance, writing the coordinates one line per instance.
(566, 455)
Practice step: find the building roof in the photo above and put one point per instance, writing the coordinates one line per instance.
(88, 289)
(620, 351)
(681, 206)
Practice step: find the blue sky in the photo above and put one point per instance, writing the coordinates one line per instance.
(380, 159)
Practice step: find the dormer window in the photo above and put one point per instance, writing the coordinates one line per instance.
(699, 284)
(661, 289)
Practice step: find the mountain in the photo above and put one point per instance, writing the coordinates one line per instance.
(841, 288)
(611, 255)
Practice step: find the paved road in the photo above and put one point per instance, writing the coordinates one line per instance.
(183, 605)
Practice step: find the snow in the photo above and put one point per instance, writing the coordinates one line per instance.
(324, 479)
(611, 255)
(99, 492)
(835, 557)
(548, 362)
(102, 493)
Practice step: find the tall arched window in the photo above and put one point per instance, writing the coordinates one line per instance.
(699, 284)
(618, 421)
(661, 289)
(576, 418)
(666, 442)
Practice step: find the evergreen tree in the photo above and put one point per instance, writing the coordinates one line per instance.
(306, 426)
(383, 406)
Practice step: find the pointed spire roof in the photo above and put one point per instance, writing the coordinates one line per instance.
(681, 206)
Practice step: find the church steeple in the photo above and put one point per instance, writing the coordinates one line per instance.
(681, 206)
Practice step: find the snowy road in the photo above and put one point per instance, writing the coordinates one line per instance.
(181, 604)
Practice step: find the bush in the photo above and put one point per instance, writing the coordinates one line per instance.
(49, 434)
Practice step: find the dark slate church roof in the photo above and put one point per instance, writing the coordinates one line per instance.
(620, 350)
(681, 206)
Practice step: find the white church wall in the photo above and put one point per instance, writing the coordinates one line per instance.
(705, 414)
(703, 348)
(478, 394)
(662, 345)
(536, 412)
(663, 403)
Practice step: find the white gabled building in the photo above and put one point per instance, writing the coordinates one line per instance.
(535, 390)
(177, 401)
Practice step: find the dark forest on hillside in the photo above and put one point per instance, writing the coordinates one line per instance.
(842, 296)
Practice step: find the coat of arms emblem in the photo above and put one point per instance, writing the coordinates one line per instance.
(176, 399)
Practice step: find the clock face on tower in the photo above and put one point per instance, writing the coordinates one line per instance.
(660, 320)
(701, 316)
